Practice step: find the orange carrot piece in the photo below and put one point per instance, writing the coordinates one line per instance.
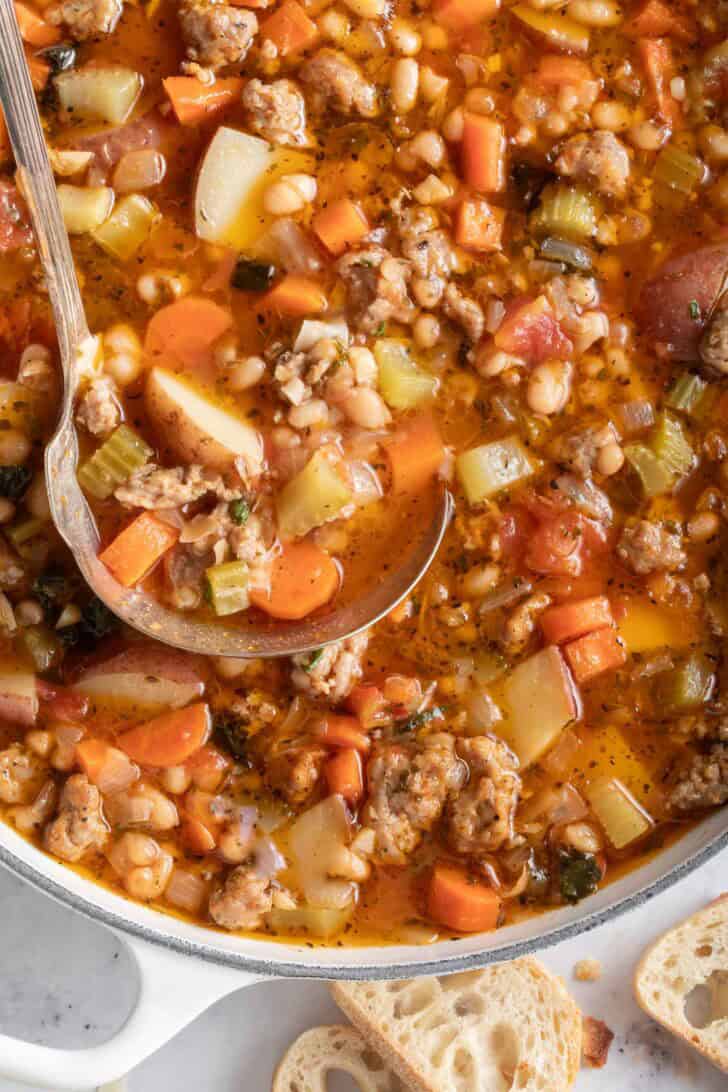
(460, 14)
(657, 60)
(458, 901)
(33, 27)
(479, 226)
(484, 153)
(655, 19)
(338, 730)
(591, 655)
(137, 548)
(415, 453)
(186, 330)
(303, 578)
(345, 775)
(169, 739)
(94, 755)
(368, 704)
(194, 102)
(207, 767)
(340, 225)
(295, 296)
(570, 620)
(289, 28)
(39, 70)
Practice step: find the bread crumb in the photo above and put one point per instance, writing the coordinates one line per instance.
(587, 970)
(596, 1042)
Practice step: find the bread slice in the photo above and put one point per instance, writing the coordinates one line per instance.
(308, 1061)
(509, 1026)
(692, 954)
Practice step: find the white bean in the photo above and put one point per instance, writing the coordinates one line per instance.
(246, 373)
(595, 13)
(549, 387)
(428, 146)
(405, 38)
(404, 84)
(366, 408)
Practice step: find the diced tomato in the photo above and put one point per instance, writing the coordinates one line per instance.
(517, 527)
(562, 538)
(15, 231)
(367, 702)
(530, 330)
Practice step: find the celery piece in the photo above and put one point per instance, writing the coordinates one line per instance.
(114, 462)
(623, 819)
(558, 29)
(42, 645)
(686, 393)
(317, 494)
(402, 382)
(128, 227)
(654, 475)
(486, 470)
(566, 211)
(676, 175)
(315, 920)
(669, 444)
(228, 587)
(687, 686)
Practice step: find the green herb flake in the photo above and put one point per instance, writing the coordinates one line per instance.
(239, 511)
(315, 658)
(417, 720)
(694, 310)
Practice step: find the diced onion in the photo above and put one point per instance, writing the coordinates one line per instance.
(294, 249)
(587, 497)
(139, 170)
(505, 594)
(365, 483)
(186, 890)
(268, 858)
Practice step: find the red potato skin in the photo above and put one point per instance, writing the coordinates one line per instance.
(664, 306)
(145, 659)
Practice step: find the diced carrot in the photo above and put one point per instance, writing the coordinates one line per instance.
(460, 14)
(169, 739)
(98, 760)
(595, 653)
(296, 296)
(415, 453)
(555, 70)
(39, 71)
(368, 704)
(207, 767)
(289, 28)
(194, 102)
(137, 548)
(479, 226)
(338, 730)
(570, 620)
(340, 225)
(33, 27)
(656, 19)
(185, 331)
(484, 153)
(303, 578)
(345, 775)
(195, 836)
(460, 902)
(656, 56)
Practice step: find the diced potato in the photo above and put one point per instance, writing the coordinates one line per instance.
(540, 700)
(618, 812)
(128, 227)
(99, 94)
(317, 494)
(308, 919)
(235, 164)
(84, 208)
(402, 382)
(485, 470)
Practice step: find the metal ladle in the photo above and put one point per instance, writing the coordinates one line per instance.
(71, 514)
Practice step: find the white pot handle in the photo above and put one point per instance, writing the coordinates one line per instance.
(173, 990)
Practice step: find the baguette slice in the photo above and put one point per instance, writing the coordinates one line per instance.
(308, 1061)
(692, 954)
(512, 1025)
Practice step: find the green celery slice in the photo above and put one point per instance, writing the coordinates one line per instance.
(687, 686)
(228, 587)
(403, 383)
(686, 393)
(486, 470)
(114, 462)
(654, 475)
(676, 175)
(565, 211)
(670, 445)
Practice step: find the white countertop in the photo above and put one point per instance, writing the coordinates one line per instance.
(67, 982)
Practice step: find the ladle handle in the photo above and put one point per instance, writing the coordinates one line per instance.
(38, 187)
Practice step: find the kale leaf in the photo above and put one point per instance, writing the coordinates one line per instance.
(579, 875)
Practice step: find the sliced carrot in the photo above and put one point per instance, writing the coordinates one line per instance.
(484, 153)
(207, 768)
(345, 775)
(289, 28)
(170, 739)
(340, 225)
(296, 296)
(137, 548)
(570, 620)
(656, 19)
(338, 730)
(303, 578)
(555, 70)
(479, 226)
(33, 27)
(657, 60)
(185, 331)
(39, 70)
(194, 102)
(368, 704)
(595, 653)
(460, 14)
(98, 759)
(415, 453)
(460, 902)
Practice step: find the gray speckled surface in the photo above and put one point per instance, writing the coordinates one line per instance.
(67, 982)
